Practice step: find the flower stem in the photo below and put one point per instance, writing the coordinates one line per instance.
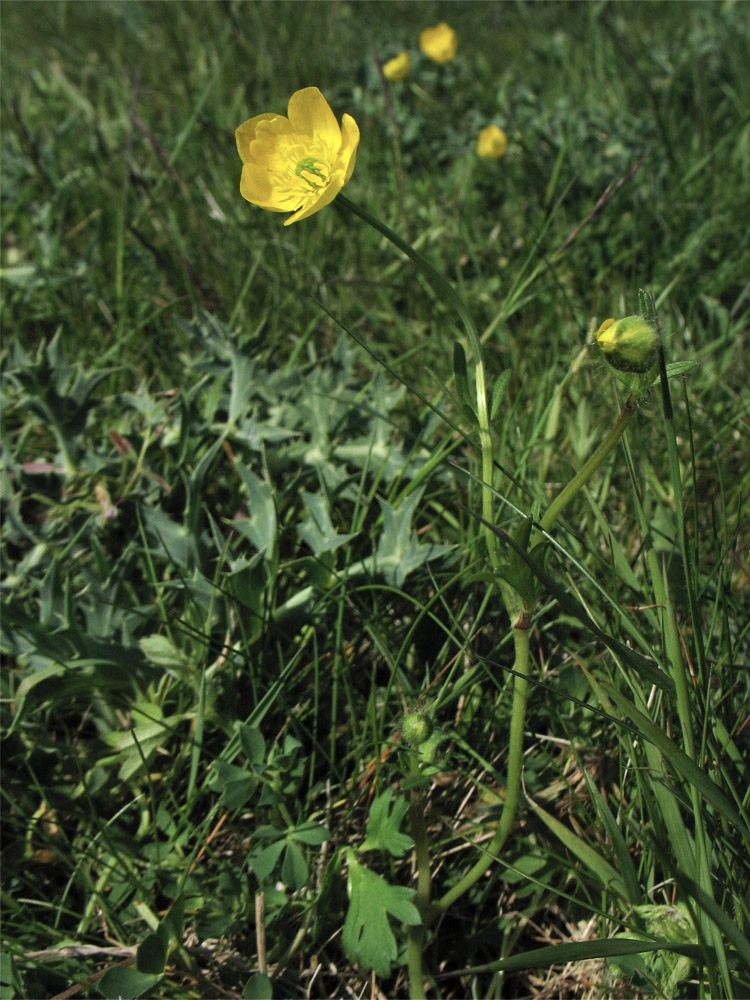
(415, 946)
(588, 469)
(445, 290)
(521, 623)
(513, 780)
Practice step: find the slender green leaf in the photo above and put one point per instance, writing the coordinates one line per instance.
(596, 864)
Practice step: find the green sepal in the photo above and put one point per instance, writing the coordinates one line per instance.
(676, 369)
(646, 302)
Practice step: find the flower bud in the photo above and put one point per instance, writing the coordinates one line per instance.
(417, 728)
(629, 344)
(398, 67)
(428, 750)
(438, 43)
(492, 143)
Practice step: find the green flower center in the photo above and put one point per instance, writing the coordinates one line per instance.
(308, 165)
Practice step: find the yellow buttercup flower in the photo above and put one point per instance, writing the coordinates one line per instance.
(398, 67)
(300, 163)
(492, 142)
(438, 43)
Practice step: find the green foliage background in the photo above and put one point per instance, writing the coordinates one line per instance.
(202, 693)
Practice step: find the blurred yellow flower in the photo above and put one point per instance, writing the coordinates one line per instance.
(300, 163)
(398, 67)
(438, 43)
(492, 142)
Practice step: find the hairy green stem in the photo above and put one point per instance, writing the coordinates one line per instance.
(519, 615)
(414, 950)
(513, 781)
(415, 946)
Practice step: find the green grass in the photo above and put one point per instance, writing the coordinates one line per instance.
(240, 537)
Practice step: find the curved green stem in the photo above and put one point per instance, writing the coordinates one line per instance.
(513, 782)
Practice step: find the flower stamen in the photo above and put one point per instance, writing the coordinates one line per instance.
(307, 166)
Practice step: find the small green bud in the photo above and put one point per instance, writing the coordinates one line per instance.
(416, 729)
(629, 344)
(428, 751)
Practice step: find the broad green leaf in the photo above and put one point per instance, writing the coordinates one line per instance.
(173, 922)
(152, 955)
(122, 982)
(235, 783)
(294, 870)
(399, 550)
(309, 833)
(252, 742)
(161, 652)
(368, 937)
(261, 527)
(263, 860)
(7, 977)
(132, 747)
(383, 826)
(258, 987)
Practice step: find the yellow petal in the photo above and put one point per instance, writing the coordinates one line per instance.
(246, 132)
(349, 143)
(314, 205)
(256, 187)
(310, 114)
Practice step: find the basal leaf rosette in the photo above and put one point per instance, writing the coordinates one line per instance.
(297, 163)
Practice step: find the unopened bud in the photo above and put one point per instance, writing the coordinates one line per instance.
(428, 750)
(629, 344)
(416, 729)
